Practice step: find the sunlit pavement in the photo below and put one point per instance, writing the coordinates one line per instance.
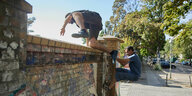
(179, 76)
(153, 83)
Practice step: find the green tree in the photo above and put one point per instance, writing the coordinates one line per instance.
(153, 38)
(108, 27)
(144, 34)
(166, 51)
(174, 10)
(129, 29)
(117, 21)
(133, 27)
(140, 33)
(30, 21)
(183, 41)
(102, 33)
(119, 13)
(153, 10)
(120, 9)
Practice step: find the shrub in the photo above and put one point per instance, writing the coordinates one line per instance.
(157, 67)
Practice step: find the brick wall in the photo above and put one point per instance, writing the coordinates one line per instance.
(13, 29)
(56, 68)
(63, 69)
(34, 66)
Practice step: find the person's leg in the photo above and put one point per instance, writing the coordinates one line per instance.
(96, 45)
(117, 77)
(122, 70)
(93, 43)
(126, 76)
(78, 17)
(93, 33)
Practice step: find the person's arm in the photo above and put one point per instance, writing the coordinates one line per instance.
(67, 20)
(123, 62)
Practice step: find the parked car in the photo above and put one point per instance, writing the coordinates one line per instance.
(166, 64)
(184, 63)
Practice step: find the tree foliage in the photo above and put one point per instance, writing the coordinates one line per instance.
(144, 24)
(173, 11)
(120, 9)
(154, 10)
(135, 27)
(30, 21)
(183, 41)
(108, 27)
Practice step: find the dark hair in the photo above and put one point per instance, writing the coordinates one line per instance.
(67, 15)
(130, 48)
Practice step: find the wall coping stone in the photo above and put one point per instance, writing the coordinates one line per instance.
(60, 44)
(110, 38)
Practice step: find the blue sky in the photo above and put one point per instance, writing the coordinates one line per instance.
(50, 15)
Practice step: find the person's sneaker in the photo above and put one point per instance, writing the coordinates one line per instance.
(81, 33)
(114, 55)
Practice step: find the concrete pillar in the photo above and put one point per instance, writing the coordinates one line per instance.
(111, 42)
(13, 37)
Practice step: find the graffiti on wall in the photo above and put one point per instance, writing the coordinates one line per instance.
(75, 79)
(36, 58)
(42, 80)
(90, 76)
(23, 90)
(63, 72)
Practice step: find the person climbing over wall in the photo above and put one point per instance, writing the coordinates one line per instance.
(91, 20)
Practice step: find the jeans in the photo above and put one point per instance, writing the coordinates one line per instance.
(124, 74)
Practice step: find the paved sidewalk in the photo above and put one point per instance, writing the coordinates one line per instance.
(134, 89)
(180, 76)
(152, 84)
